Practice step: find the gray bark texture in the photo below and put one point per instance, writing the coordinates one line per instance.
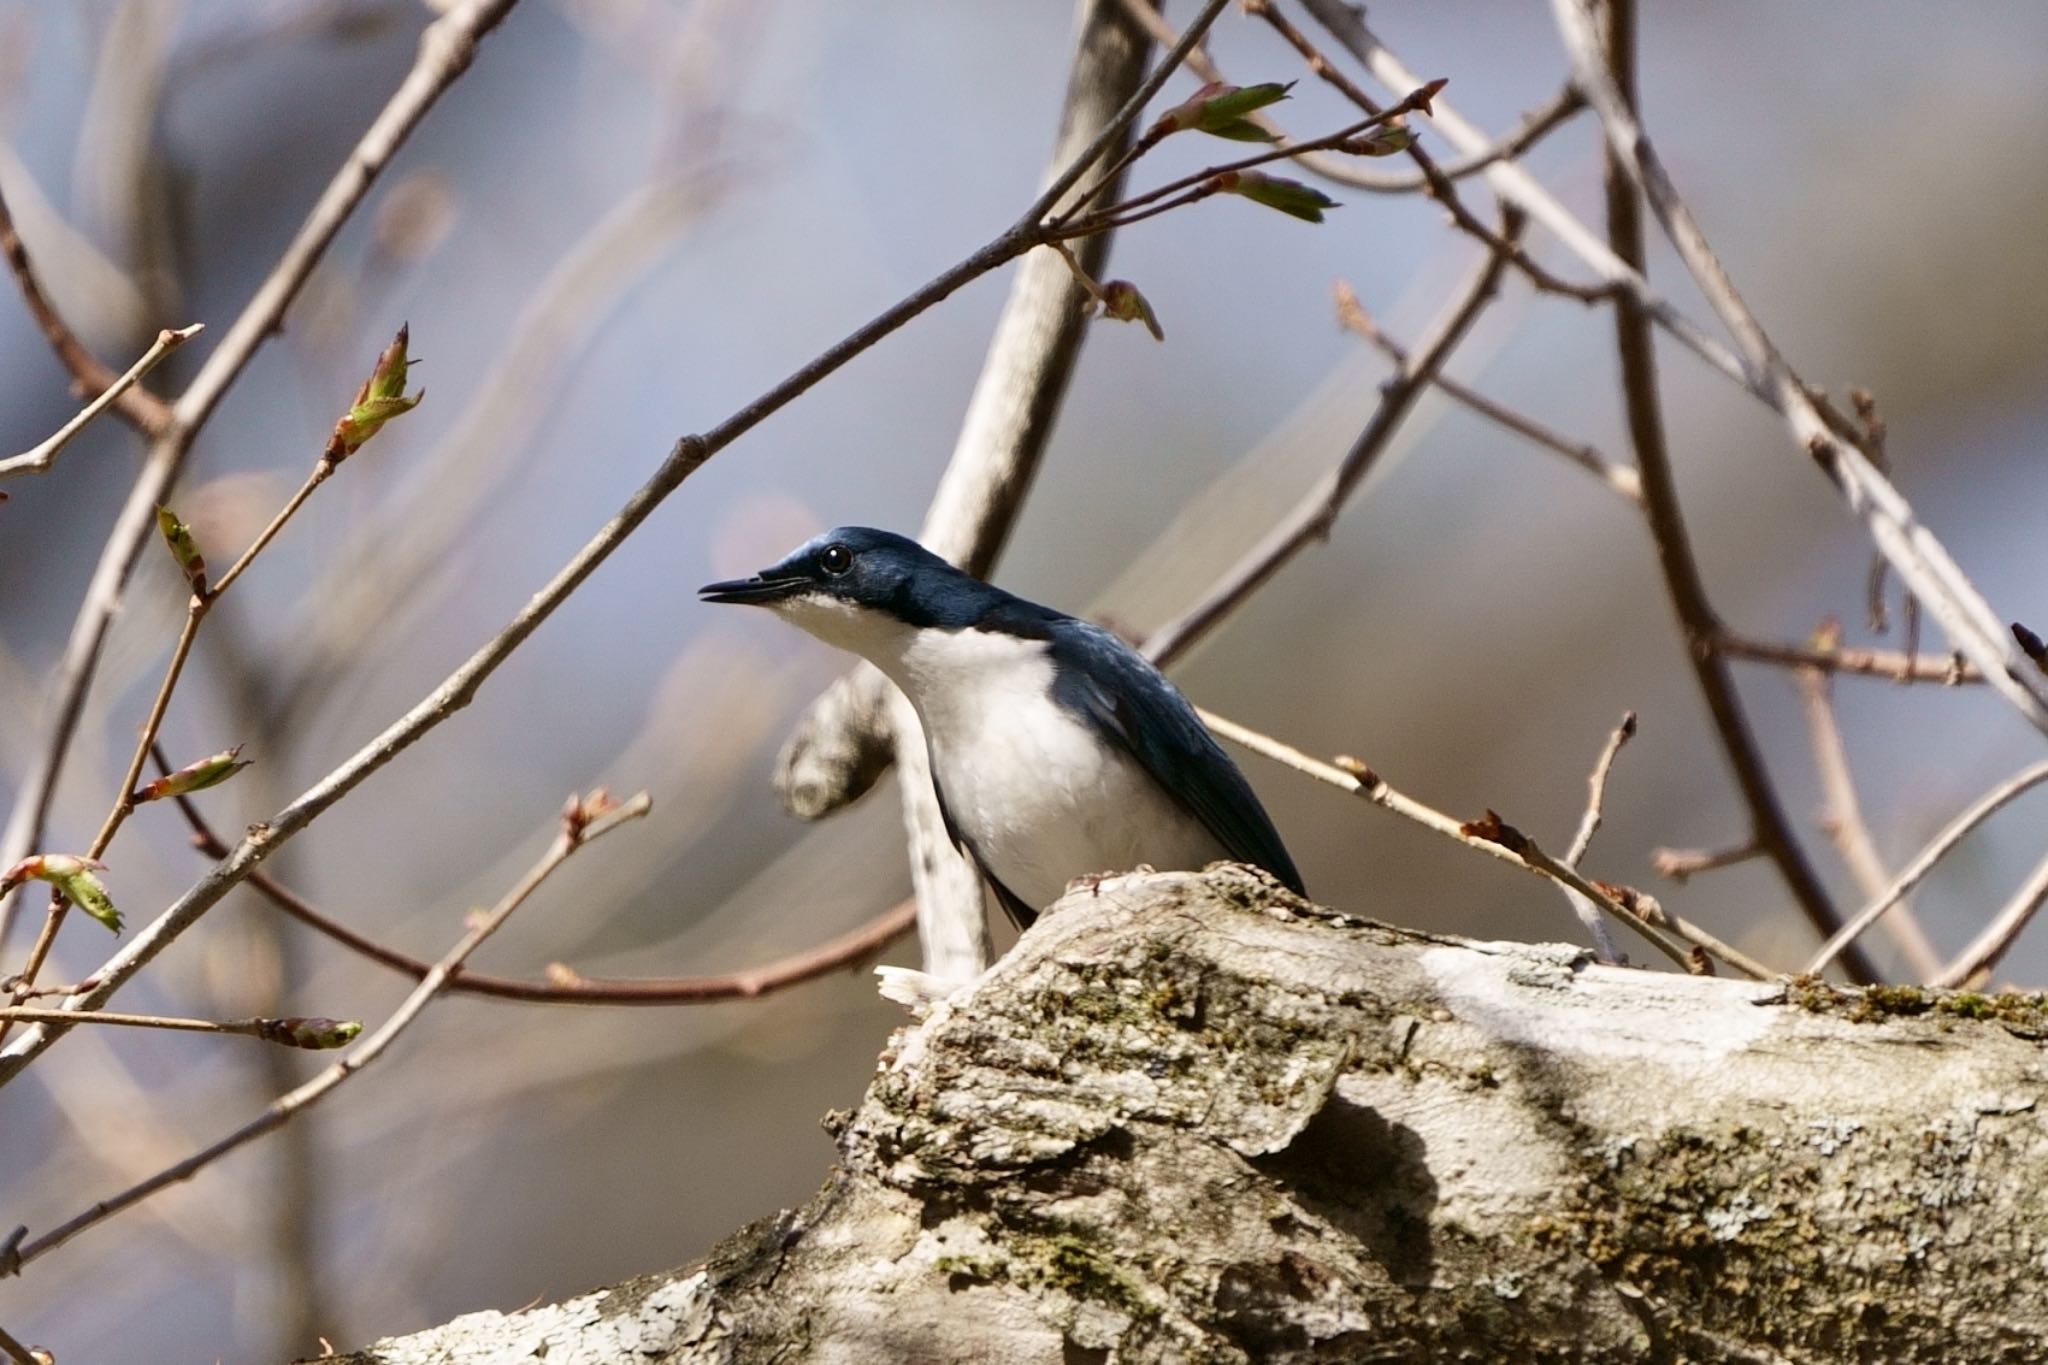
(1193, 1118)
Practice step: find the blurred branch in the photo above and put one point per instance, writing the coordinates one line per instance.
(1496, 840)
(1313, 516)
(1937, 848)
(565, 985)
(1842, 816)
(1683, 582)
(1948, 669)
(1923, 563)
(584, 821)
(1681, 863)
(140, 408)
(459, 688)
(20, 1354)
(1976, 961)
(1618, 477)
(38, 459)
(446, 48)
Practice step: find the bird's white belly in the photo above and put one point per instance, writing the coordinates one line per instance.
(1041, 796)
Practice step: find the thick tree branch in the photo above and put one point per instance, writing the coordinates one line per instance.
(1194, 1118)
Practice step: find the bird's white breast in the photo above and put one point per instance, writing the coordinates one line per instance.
(1041, 796)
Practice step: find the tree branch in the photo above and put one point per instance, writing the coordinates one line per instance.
(1312, 517)
(1923, 563)
(1682, 579)
(585, 820)
(140, 408)
(38, 459)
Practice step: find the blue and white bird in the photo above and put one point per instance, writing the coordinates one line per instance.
(1057, 750)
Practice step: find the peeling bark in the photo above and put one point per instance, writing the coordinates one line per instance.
(1193, 1118)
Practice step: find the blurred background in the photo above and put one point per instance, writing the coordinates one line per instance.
(628, 219)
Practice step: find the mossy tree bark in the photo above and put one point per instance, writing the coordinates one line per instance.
(1192, 1118)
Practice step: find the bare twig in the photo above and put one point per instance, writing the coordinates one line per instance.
(1313, 516)
(1507, 845)
(1681, 863)
(39, 459)
(1683, 581)
(1438, 183)
(1534, 126)
(1618, 477)
(1589, 825)
(584, 821)
(565, 985)
(1949, 669)
(1923, 563)
(1842, 816)
(138, 407)
(446, 48)
(1596, 795)
(1997, 938)
(1939, 847)
(290, 1032)
(20, 1354)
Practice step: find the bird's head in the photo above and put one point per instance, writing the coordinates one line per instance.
(860, 589)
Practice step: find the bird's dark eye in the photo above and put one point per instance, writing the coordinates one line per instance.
(835, 559)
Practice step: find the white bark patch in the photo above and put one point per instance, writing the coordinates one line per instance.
(1546, 996)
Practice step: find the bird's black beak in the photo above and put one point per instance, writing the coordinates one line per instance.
(758, 591)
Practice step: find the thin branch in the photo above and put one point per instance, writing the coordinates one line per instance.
(20, 1354)
(1680, 864)
(1199, 183)
(138, 407)
(1949, 669)
(39, 459)
(1923, 563)
(446, 48)
(1618, 477)
(1313, 516)
(585, 821)
(1345, 22)
(1439, 184)
(1914, 872)
(566, 986)
(1589, 825)
(126, 797)
(1842, 818)
(1596, 785)
(1119, 125)
(1507, 845)
(288, 1032)
(1985, 951)
(1534, 126)
(1683, 581)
